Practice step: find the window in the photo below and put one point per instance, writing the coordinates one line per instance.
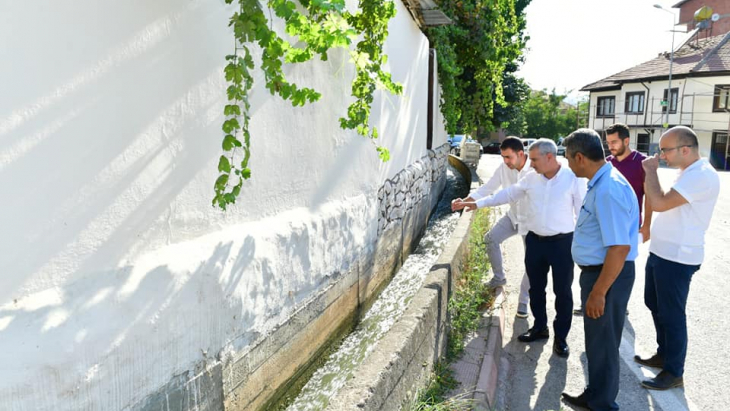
(721, 100)
(672, 101)
(634, 102)
(642, 143)
(605, 106)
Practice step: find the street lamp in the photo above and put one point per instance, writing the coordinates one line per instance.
(671, 62)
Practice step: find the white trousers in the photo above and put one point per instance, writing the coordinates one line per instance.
(493, 239)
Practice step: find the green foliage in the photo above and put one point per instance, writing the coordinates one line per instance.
(471, 297)
(547, 115)
(509, 115)
(315, 28)
(472, 55)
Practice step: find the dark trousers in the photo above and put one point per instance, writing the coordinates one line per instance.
(542, 254)
(665, 294)
(603, 336)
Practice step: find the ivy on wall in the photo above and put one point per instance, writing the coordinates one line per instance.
(487, 36)
(316, 26)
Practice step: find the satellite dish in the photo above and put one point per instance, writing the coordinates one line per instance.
(715, 17)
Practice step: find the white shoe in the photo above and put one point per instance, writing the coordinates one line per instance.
(521, 311)
(495, 282)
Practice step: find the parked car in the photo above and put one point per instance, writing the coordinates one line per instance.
(455, 142)
(527, 141)
(561, 149)
(492, 148)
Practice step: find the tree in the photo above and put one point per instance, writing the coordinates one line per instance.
(473, 53)
(509, 114)
(547, 115)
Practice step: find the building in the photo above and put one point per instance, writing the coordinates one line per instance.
(699, 97)
(687, 9)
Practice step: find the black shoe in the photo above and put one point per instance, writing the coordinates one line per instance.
(655, 361)
(579, 401)
(578, 312)
(560, 347)
(534, 335)
(663, 381)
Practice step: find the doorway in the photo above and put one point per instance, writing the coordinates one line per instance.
(642, 143)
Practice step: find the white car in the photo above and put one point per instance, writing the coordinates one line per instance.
(527, 141)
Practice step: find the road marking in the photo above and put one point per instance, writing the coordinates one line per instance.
(669, 400)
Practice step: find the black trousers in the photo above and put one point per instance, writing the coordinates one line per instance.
(603, 337)
(541, 255)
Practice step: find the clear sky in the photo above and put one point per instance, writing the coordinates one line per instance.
(576, 42)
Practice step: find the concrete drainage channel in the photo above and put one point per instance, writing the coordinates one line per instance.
(402, 360)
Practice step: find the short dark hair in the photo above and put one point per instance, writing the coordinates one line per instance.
(586, 142)
(621, 129)
(685, 136)
(513, 143)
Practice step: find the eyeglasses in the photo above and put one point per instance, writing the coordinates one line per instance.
(665, 150)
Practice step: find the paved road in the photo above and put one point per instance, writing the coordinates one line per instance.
(532, 378)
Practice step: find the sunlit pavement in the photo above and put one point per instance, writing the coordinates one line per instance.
(532, 378)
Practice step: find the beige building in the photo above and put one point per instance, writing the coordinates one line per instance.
(699, 97)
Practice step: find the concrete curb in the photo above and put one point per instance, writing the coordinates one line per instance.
(486, 389)
(402, 360)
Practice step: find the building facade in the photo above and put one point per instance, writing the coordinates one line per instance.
(641, 98)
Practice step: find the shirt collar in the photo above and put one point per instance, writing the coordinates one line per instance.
(696, 164)
(606, 168)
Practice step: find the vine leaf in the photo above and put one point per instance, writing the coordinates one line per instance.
(315, 28)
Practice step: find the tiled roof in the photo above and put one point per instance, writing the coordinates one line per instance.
(708, 55)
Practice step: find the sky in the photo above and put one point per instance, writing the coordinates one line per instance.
(576, 42)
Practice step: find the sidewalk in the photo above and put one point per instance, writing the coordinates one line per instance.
(505, 374)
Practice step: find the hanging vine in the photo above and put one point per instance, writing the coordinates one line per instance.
(317, 26)
(486, 37)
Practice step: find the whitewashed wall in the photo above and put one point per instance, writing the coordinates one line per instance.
(117, 273)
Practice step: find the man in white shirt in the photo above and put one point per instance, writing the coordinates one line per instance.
(553, 198)
(514, 167)
(676, 248)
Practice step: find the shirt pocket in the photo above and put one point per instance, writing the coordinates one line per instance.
(584, 216)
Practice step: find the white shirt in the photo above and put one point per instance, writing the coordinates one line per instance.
(552, 205)
(504, 177)
(679, 234)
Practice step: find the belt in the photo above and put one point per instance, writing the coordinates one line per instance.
(550, 237)
(598, 267)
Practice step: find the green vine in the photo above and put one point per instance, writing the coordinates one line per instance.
(486, 37)
(316, 27)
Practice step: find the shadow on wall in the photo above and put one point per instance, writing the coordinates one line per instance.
(97, 183)
(95, 159)
(90, 319)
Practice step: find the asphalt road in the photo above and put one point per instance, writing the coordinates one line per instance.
(532, 378)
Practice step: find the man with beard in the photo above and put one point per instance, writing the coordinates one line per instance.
(515, 166)
(628, 163)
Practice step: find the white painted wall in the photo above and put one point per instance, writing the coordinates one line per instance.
(117, 272)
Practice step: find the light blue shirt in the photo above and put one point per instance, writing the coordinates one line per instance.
(609, 216)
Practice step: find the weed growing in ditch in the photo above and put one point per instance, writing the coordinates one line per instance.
(470, 298)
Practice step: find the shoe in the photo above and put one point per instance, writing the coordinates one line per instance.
(495, 282)
(560, 347)
(579, 401)
(663, 381)
(655, 361)
(522, 310)
(534, 335)
(578, 312)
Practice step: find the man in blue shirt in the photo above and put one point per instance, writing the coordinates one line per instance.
(604, 247)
